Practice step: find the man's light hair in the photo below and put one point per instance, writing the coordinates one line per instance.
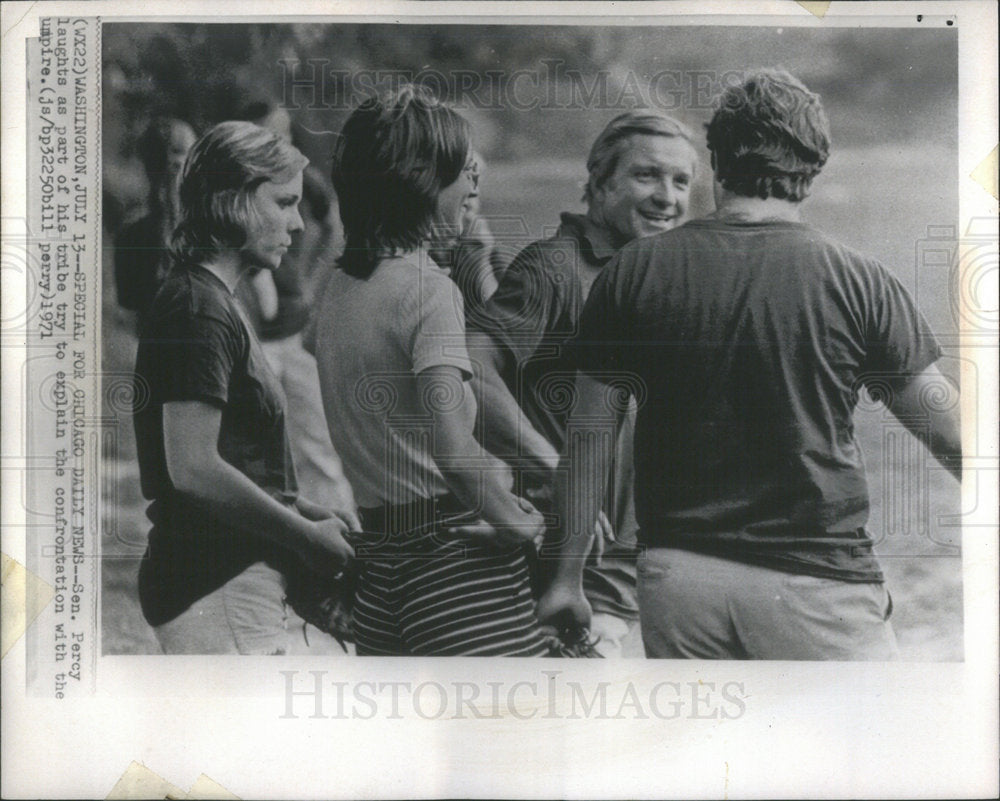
(222, 172)
(610, 144)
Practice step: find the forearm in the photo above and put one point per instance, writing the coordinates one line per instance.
(928, 406)
(943, 438)
(231, 495)
(579, 488)
(504, 429)
(581, 479)
(476, 477)
(507, 431)
(579, 492)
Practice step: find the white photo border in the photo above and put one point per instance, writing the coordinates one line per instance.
(813, 730)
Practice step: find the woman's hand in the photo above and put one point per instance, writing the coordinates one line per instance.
(315, 512)
(190, 437)
(323, 547)
(564, 606)
(528, 526)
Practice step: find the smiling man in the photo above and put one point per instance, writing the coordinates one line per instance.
(641, 168)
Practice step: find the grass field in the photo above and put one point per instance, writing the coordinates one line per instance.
(879, 200)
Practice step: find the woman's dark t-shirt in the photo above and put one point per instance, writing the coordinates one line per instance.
(196, 345)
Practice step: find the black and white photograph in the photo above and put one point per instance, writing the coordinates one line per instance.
(351, 423)
(652, 346)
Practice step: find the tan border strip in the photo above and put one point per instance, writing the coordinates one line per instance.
(24, 595)
(138, 781)
(815, 7)
(985, 173)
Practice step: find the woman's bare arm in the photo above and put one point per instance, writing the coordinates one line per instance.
(471, 473)
(196, 469)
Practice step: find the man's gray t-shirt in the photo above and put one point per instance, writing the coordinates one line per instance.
(753, 341)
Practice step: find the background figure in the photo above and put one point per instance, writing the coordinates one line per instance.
(640, 169)
(141, 247)
(280, 304)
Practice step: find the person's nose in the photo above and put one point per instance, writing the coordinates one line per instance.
(664, 194)
(295, 224)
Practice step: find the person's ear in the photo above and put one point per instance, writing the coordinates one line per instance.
(595, 203)
(600, 190)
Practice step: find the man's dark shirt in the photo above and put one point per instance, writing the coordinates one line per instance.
(753, 341)
(532, 315)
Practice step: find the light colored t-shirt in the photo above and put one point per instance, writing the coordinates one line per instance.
(372, 337)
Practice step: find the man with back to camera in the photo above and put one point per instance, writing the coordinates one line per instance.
(640, 168)
(754, 333)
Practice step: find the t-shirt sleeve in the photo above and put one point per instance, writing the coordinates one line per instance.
(195, 357)
(600, 343)
(900, 341)
(436, 319)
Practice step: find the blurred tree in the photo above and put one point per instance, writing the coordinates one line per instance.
(879, 85)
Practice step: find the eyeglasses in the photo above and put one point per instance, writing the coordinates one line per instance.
(472, 171)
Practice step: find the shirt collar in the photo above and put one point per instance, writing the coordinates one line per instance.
(596, 247)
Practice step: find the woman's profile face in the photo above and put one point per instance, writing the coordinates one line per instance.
(456, 200)
(276, 218)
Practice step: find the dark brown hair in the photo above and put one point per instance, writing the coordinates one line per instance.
(394, 156)
(769, 137)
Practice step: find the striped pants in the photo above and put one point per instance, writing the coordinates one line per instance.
(422, 595)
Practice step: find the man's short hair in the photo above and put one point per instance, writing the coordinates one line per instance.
(610, 144)
(220, 177)
(394, 156)
(769, 137)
